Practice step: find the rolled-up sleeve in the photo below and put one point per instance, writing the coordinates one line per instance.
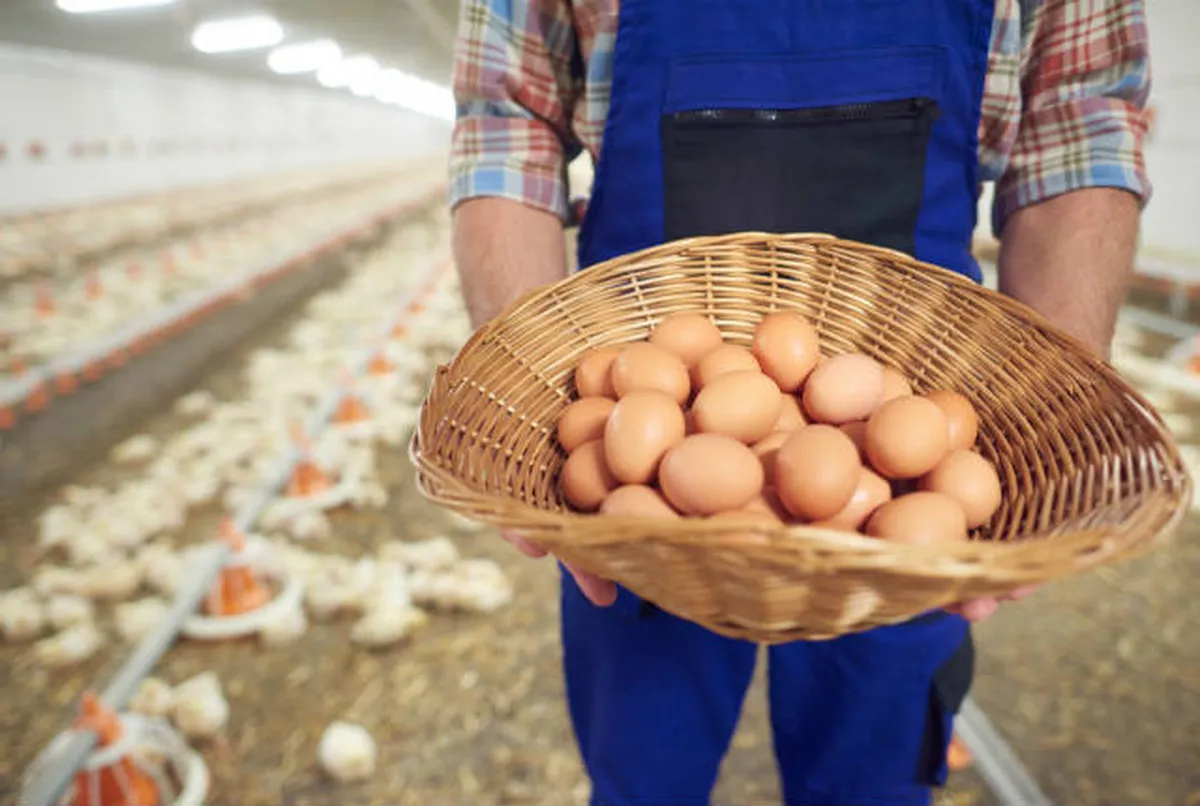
(1084, 88)
(515, 81)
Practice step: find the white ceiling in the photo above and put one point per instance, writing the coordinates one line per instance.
(413, 35)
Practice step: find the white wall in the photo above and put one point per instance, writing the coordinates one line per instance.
(1172, 221)
(149, 129)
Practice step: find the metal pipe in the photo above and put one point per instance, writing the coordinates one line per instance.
(998, 765)
(50, 787)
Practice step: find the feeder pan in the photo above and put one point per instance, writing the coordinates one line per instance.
(307, 479)
(138, 761)
(247, 595)
(352, 417)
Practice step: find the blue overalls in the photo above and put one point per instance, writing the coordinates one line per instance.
(854, 117)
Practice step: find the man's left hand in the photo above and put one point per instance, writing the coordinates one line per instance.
(981, 609)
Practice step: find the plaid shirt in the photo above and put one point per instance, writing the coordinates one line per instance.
(1063, 107)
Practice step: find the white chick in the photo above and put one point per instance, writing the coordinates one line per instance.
(63, 610)
(199, 709)
(51, 579)
(313, 525)
(423, 555)
(75, 644)
(22, 617)
(194, 403)
(284, 627)
(161, 568)
(135, 620)
(473, 585)
(114, 580)
(339, 586)
(135, 450)
(347, 752)
(368, 494)
(57, 524)
(390, 615)
(153, 697)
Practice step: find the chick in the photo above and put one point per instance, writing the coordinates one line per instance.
(63, 610)
(347, 752)
(75, 644)
(199, 709)
(135, 620)
(154, 697)
(22, 617)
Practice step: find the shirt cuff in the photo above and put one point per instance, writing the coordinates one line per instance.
(511, 158)
(1094, 142)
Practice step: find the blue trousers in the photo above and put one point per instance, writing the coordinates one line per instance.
(863, 719)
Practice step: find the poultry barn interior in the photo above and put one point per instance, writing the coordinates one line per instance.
(226, 284)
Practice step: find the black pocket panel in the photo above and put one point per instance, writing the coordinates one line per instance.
(854, 170)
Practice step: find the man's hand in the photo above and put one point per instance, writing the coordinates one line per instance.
(599, 591)
(981, 609)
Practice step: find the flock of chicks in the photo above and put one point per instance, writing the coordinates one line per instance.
(42, 320)
(52, 243)
(120, 546)
(688, 424)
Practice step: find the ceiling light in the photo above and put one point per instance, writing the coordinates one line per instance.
(304, 57)
(93, 6)
(239, 33)
(348, 71)
(423, 96)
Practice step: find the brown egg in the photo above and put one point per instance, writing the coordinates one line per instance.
(742, 405)
(787, 348)
(690, 336)
(689, 483)
(639, 501)
(791, 416)
(593, 374)
(894, 385)
(583, 421)
(857, 431)
(871, 493)
(586, 480)
(906, 438)
(969, 479)
(643, 367)
(919, 518)
(816, 472)
(642, 427)
(767, 503)
(751, 518)
(961, 418)
(844, 388)
(767, 451)
(724, 359)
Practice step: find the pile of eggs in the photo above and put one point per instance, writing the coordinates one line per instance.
(686, 424)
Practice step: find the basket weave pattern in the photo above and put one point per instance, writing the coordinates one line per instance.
(1089, 473)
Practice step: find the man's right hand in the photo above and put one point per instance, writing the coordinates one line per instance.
(599, 592)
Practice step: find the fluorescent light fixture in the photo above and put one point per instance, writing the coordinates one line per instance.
(348, 71)
(237, 33)
(94, 6)
(304, 57)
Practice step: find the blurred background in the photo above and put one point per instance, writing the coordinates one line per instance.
(224, 283)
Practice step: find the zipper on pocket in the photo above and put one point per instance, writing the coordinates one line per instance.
(911, 108)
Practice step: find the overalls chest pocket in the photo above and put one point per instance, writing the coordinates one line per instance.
(825, 142)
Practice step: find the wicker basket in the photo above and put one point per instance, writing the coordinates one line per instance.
(1090, 475)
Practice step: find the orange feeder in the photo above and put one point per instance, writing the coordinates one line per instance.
(115, 782)
(351, 410)
(93, 288)
(38, 399)
(238, 590)
(380, 365)
(399, 331)
(958, 756)
(307, 478)
(65, 383)
(44, 300)
(8, 418)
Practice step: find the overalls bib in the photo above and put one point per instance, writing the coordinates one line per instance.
(853, 117)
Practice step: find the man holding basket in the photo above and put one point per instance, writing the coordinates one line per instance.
(873, 120)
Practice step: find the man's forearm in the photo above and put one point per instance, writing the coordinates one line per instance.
(504, 249)
(1070, 259)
